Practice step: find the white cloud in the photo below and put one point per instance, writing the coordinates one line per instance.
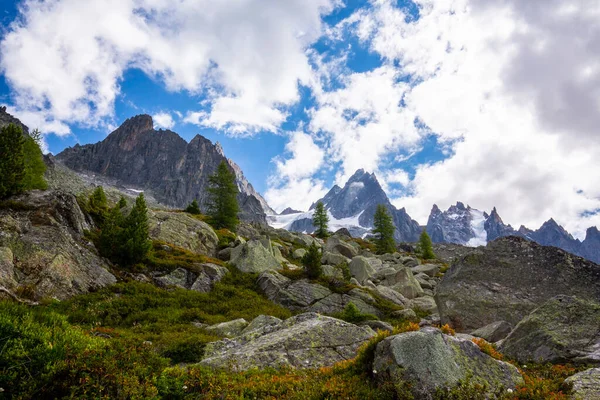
(524, 144)
(65, 58)
(292, 185)
(163, 120)
(364, 120)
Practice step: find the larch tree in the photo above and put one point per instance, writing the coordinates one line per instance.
(223, 207)
(320, 220)
(384, 230)
(12, 161)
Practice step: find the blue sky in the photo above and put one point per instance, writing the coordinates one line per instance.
(140, 93)
(444, 100)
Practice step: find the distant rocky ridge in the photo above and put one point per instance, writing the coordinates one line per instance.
(353, 207)
(464, 225)
(176, 172)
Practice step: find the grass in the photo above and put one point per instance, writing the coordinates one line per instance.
(163, 260)
(144, 312)
(67, 350)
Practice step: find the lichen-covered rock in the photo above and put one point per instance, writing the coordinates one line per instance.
(564, 329)
(391, 295)
(428, 269)
(425, 303)
(494, 332)
(254, 256)
(7, 270)
(586, 385)
(229, 329)
(293, 295)
(332, 272)
(304, 341)
(406, 314)
(428, 360)
(299, 253)
(183, 230)
(201, 280)
(508, 279)
(45, 234)
(403, 282)
(208, 276)
(261, 323)
(336, 303)
(337, 246)
(361, 269)
(178, 277)
(333, 259)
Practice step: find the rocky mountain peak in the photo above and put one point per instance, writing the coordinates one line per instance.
(592, 233)
(289, 211)
(163, 163)
(7, 119)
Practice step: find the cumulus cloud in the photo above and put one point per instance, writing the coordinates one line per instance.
(64, 59)
(163, 120)
(292, 185)
(502, 77)
(363, 120)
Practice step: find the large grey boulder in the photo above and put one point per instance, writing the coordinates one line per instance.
(390, 294)
(428, 269)
(333, 259)
(586, 385)
(361, 269)
(304, 341)
(299, 253)
(428, 360)
(564, 329)
(183, 230)
(337, 246)
(254, 256)
(425, 303)
(208, 276)
(229, 329)
(508, 279)
(336, 303)
(287, 293)
(403, 282)
(201, 280)
(45, 235)
(7, 270)
(494, 332)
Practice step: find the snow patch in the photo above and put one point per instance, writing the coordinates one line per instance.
(478, 228)
(286, 221)
(357, 185)
(135, 190)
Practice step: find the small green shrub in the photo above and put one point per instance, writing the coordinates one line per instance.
(312, 262)
(193, 208)
(353, 315)
(226, 237)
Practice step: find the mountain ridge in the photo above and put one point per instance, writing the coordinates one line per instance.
(175, 171)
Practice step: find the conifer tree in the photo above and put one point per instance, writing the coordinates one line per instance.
(222, 204)
(320, 220)
(425, 247)
(34, 163)
(110, 241)
(122, 202)
(193, 208)
(384, 230)
(12, 162)
(312, 262)
(98, 201)
(136, 232)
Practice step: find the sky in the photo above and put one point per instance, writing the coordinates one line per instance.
(488, 102)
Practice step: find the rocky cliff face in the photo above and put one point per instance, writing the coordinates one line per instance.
(353, 207)
(6, 119)
(470, 227)
(176, 172)
(509, 278)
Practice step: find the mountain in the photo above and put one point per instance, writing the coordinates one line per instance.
(353, 207)
(7, 119)
(176, 172)
(470, 227)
